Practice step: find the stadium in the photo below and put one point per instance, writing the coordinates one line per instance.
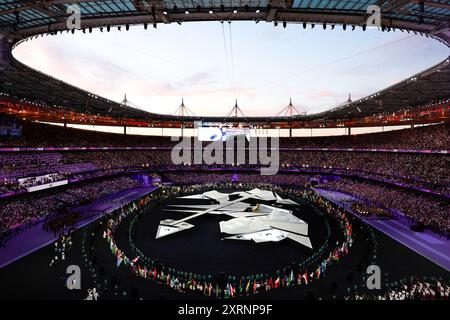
(236, 207)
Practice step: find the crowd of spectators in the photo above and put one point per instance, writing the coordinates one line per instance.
(416, 289)
(431, 211)
(428, 171)
(42, 135)
(23, 164)
(422, 170)
(434, 137)
(19, 210)
(9, 185)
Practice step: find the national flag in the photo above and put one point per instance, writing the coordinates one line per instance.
(336, 255)
(277, 283)
(305, 277)
(119, 260)
(145, 272)
(142, 272)
(270, 283)
(318, 273)
(135, 259)
(323, 267)
(291, 278)
(210, 289)
(228, 291)
(217, 291)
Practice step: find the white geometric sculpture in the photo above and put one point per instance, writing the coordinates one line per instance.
(260, 223)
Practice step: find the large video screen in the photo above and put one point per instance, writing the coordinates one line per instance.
(221, 133)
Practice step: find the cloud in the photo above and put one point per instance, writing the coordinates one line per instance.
(199, 78)
(317, 95)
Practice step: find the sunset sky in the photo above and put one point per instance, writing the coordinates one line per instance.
(262, 66)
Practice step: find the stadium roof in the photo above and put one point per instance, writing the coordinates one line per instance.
(22, 19)
(30, 15)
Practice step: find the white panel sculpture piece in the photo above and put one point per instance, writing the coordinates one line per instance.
(259, 223)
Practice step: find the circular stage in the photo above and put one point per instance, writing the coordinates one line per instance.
(203, 250)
